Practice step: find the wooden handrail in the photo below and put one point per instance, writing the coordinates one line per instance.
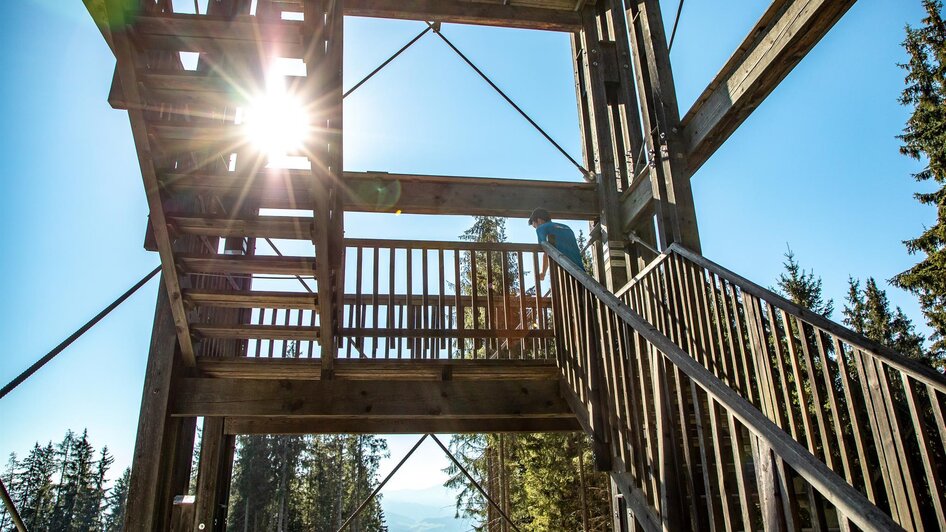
(915, 369)
(848, 500)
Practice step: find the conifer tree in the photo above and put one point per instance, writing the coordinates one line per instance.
(118, 496)
(924, 139)
(802, 287)
(34, 489)
(868, 312)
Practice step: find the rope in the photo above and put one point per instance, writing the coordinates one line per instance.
(383, 482)
(82, 330)
(509, 100)
(475, 483)
(384, 64)
(676, 21)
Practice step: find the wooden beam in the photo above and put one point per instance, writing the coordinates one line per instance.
(408, 193)
(281, 227)
(380, 370)
(258, 332)
(474, 196)
(464, 12)
(781, 38)
(251, 299)
(154, 428)
(247, 264)
(387, 400)
(127, 70)
(299, 425)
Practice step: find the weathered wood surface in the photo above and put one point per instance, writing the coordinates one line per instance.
(861, 409)
(787, 31)
(391, 400)
(302, 425)
(407, 193)
(381, 370)
(146, 474)
(692, 395)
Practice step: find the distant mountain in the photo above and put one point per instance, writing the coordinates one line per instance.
(425, 510)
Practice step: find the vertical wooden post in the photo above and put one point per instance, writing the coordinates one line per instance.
(601, 104)
(147, 508)
(676, 215)
(213, 477)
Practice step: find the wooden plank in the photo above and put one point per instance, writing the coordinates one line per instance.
(281, 227)
(248, 265)
(408, 193)
(380, 370)
(362, 399)
(787, 31)
(460, 12)
(259, 332)
(305, 425)
(144, 483)
(218, 35)
(251, 299)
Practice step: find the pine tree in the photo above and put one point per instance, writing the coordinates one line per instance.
(8, 477)
(868, 312)
(33, 491)
(118, 496)
(802, 287)
(924, 138)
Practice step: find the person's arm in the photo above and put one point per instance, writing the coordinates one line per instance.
(545, 266)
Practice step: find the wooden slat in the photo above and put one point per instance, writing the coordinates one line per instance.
(248, 265)
(784, 34)
(281, 227)
(252, 299)
(258, 332)
(392, 400)
(216, 35)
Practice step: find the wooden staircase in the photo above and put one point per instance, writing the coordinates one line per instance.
(717, 404)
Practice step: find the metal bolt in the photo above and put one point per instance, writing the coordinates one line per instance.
(594, 63)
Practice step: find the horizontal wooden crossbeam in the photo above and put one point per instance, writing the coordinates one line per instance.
(308, 425)
(379, 400)
(407, 193)
(381, 370)
(784, 34)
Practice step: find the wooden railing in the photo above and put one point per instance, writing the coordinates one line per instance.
(403, 300)
(443, 300)
(868, 413)
(688, 452)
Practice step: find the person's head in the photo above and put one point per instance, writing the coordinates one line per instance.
(539, 216)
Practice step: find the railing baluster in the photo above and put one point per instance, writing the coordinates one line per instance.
(375, 296)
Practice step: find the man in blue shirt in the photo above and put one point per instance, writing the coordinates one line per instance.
(559, 235)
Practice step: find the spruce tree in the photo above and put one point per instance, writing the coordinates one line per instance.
(34, 489)
(117, 497)
(868, 312)
(924, 139)
(802, 287)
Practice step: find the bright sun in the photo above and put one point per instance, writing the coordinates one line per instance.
(277, 123)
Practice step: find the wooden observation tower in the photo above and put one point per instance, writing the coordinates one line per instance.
(713, 403)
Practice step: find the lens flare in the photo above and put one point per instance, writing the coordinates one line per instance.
(277, 123)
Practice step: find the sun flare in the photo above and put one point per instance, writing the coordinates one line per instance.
(277, 123)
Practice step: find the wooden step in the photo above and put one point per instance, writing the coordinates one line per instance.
(193, 93)
(248, 265)
(283, 227)
(252, 299)
(256, 332)
(277, 190)
(218, 35)
(187, 137)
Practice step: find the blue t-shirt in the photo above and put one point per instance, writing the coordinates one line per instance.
(562, 237)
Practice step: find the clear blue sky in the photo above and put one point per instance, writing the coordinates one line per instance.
(816, 166)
